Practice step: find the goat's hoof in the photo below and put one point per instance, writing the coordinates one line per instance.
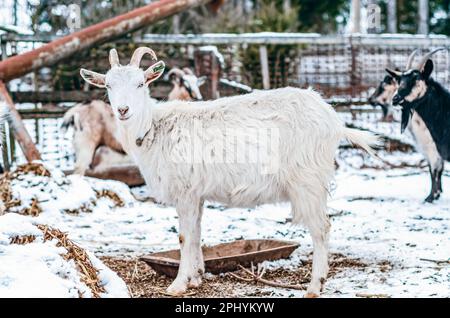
(311, 295)
(430, 198)
(177, 288)
(195, 282)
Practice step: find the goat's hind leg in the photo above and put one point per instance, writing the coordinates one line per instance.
(309, 208)
(191, 259)
(436, 169)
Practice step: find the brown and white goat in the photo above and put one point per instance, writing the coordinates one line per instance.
(94, 127)
(186, 86)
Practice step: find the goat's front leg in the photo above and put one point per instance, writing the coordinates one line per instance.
(85, 150)
(191, 262)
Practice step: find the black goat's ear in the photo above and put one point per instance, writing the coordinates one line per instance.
(406, 116)
(427, 69)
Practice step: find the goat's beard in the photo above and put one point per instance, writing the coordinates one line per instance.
(407, 112)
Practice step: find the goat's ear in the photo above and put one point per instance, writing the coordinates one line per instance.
(394, 74)
(93, 78)
(201, 80)
(154, 72)
(427, 69)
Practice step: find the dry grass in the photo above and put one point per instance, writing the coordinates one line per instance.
(35, 168)
(89, 274)
(118, 202)
(84, 208)
(33, 210)
(23, 239)
(142, 281)
(6, 194)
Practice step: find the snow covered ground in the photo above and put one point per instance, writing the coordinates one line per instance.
(40, 269)
(377, 216)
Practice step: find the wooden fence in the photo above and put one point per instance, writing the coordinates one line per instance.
(343, 68)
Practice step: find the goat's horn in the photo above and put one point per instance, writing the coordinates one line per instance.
(139, 53)
(176, 71)
(113, 58)
(427, 56)
(410, 59)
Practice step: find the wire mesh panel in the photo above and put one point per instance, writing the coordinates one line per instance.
(342, 68)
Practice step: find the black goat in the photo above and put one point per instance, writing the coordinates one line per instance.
(418, 92)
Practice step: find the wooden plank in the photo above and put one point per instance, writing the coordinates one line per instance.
(263, 59)
(160, 91)
(126, 174)
(206, 64)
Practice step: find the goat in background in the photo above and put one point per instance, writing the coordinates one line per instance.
(186, 86)
(384, 94)
(419, 93)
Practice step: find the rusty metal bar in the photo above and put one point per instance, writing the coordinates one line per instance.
(20, 133)
(64, 47)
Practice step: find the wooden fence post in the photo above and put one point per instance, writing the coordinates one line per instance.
(5, 158)
(263, 58)
(207, 63)
(20, 132)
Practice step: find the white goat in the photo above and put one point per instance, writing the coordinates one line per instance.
(304, 131)
(94, 134)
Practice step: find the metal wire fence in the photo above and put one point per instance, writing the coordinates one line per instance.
(343, 68)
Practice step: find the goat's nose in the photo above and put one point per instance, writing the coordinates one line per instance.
(396, 100)
(123, 110)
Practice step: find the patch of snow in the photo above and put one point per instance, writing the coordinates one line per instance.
(236, 85)
(378, 216)
(215, 50)
(38, 269)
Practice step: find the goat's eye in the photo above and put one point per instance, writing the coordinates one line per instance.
(141, 85)
(107, 86)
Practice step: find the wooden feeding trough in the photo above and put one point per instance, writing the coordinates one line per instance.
(224, 257)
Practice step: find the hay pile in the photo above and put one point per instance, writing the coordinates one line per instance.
(61, 267)
(88, 273)
(31, 188)
(10, 202)
(143, 281)
(35, 198)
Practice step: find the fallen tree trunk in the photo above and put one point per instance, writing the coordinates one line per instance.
(64, 47)
(126, 174)
(20, 132)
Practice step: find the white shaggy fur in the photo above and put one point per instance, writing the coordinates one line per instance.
(309, 132)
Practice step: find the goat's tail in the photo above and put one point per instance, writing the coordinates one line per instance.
(363, 139)
(70, 118)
